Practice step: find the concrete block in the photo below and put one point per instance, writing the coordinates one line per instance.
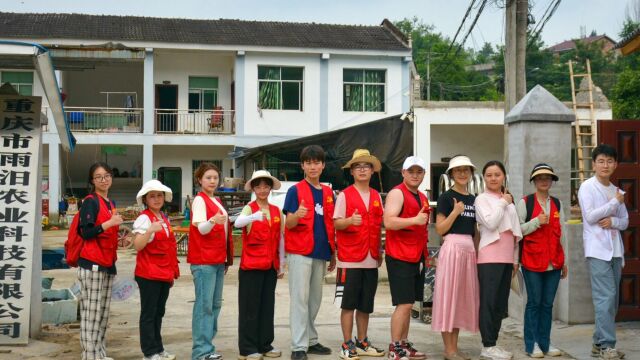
(59, 306)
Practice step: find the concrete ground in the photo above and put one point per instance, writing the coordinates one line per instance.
(62, 342)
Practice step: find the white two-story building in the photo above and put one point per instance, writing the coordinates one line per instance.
(153, 97)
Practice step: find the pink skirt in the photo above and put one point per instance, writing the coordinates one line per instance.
(456, 290)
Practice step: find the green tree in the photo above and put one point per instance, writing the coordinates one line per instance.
(625, 99)
(448, 74)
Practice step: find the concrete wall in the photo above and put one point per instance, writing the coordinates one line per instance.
(172, 156)
(573, 303)
(83, 87)
(486, 144)
(176, 67)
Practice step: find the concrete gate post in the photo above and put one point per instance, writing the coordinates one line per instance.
(539, 130)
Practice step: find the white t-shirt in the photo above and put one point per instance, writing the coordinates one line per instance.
(618, 248)
(142, 224)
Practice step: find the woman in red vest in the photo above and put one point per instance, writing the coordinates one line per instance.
(455, 298)
(156, 266)
(210, 254)
(542, 260)
(261, 264)
(98, 227)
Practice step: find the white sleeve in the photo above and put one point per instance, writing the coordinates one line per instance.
(205, 227)
(198, 210)
(246, 217)
(487, 214)
(141, 225)
(590, 212)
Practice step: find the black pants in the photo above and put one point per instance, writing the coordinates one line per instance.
(153, 298)
(495, 284)
(256, 300)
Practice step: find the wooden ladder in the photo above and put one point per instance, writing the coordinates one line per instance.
(586, 136)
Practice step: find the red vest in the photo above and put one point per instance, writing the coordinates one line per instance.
(543, 246)
(260, 245)
(103, 249)
(299, 240)
(159, 258)
(409, 244)
(355, 242)
(213, 248)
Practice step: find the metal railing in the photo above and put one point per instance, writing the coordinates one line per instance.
(98, 119)
(175, 121)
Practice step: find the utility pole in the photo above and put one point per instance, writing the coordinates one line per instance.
(515, 79)
(429, 76)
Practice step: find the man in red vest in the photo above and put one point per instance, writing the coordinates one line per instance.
(309, 243)
(406, 216)
(357, 220)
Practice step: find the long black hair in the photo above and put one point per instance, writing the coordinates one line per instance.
(97, 165)
(500, 165)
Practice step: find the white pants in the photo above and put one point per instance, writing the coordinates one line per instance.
(306, 276)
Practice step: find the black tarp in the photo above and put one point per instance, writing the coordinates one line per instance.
(389, 139)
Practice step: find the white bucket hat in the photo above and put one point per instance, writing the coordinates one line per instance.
(460, 160)
(154, 185)
(262, 174)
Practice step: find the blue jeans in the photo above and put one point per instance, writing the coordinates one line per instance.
(605, 291)
(208, 281)
(541, 291)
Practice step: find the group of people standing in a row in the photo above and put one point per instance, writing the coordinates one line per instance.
(486, 239)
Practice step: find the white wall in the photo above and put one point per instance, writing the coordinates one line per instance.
(481, 143)
(83, 87)
(282, 122)
(182, 157)
(176, 67)
(393, 91)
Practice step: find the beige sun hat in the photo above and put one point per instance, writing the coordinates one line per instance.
(154, 185)
(460, 160)
(363, 155)
(262, 174)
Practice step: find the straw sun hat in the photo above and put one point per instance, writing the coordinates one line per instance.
(258, 174)
(363, 156)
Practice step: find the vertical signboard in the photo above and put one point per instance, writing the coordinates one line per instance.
(20, 134)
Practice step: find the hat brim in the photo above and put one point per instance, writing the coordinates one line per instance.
(276, 182)
(554, 177)
(377, 166)
(168, 195)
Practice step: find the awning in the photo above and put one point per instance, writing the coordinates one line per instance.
(41, 61)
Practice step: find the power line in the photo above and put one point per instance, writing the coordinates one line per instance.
(544, 22)
(453, 41)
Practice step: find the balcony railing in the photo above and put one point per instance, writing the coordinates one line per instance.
(95, 119)
(172, 121)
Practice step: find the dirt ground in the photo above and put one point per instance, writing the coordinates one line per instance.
(62, 342)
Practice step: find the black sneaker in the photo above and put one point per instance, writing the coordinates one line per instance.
(319, 349)
(298, 355)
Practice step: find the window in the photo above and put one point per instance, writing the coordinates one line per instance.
(280, 88)
(363, 90)
(203, 93)
(22, 81)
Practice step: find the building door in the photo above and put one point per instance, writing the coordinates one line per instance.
(624, 136)
(166, 108)
(172, 177)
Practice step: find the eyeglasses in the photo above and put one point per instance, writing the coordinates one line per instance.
(105, 177)
(607, 162)
(361, 167)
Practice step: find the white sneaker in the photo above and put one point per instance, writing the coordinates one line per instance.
(153, 357)
(554, 351)
(273, 353)
(505, 353)
(493, 353)
(536, 353)
(165, 355)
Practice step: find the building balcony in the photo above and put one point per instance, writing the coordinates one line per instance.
(111, 120)
(174, 121)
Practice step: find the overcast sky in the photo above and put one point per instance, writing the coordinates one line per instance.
(604, 16)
